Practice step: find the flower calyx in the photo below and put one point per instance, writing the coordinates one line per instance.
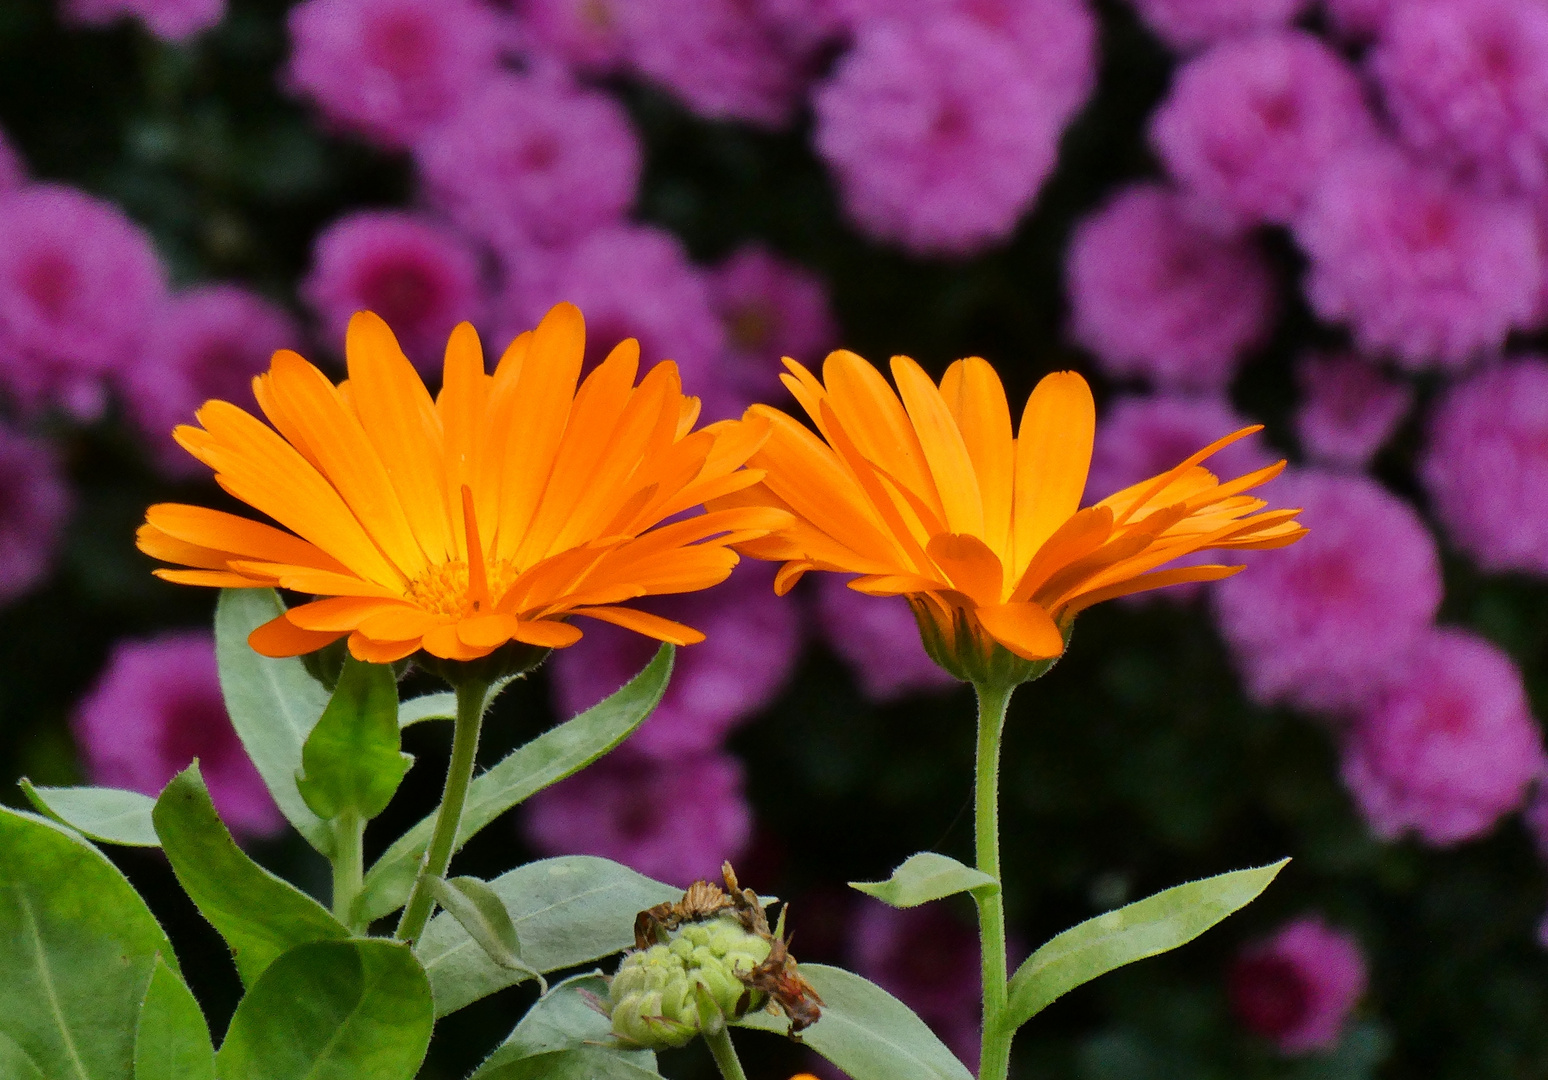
(955, 640)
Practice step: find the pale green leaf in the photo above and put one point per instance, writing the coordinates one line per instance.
(563, 1019)
(924, 877)
(352, 761)
(580, 1063)
(441, 706)
(108, 815)
(172, 1041)
(480, 911)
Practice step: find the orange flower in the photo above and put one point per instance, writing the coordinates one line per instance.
(489, 514)
(932, 498)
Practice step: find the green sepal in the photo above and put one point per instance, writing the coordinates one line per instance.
(926, 876)
(352, 759)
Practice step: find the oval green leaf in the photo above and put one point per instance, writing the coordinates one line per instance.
(866, 1031)
(107, 815)
(332, 1009)
(580, 1063)
(172, 1041)
(352, 761)
(924, 877)
(77, 948)
(560, 752)
(562, 1019)
(441, 706)
(1144, 928)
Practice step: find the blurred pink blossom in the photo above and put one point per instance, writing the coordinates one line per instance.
(1298, 988)
(879, 640)
(1358, 19)
(1348, 410)
(170, 20)
(34, 506)
(1188, 24)
(589, 34)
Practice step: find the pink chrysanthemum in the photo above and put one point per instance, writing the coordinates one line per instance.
(158, 707)
(1418, 267)
(1249, 125)
(878, 638)
(1358, 20)
(532, 158)
(1467, 85)
(79, 282)
(421, 278)
(588, 34)
(1486, 466)
(391, 70)
(941, 132)
(1324, 623)
(1188, 24)
(715, 685)
(34, 505)
(675, 821)
(1155, 295)
(170, 20)
(1298, 988)
(1448, 747)
(1348, 410)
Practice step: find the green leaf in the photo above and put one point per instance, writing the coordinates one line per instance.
(108, 815)
(1144, 928)
(480, 911)
(172, 1041)
(581, 1063)
(924, 877)
(332, 1010)
(273, 704)
(352, 760)
(259, 915)
(552, 756)
(77, 948)
(566, 911)
(866, 1031)
(428, 707)
(562, 1019)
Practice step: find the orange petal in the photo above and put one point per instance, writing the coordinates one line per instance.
(215, 579)
(642, 622)
(370, 651)
(976, 398)
(1025, 629)
(397, 622)
(444, 643)
(874, 417)
(950, 466)
(969, 566)
(1053, 454)
(237, 535)
(546, 633)
(1159, 579)
(787, 576)
(337, 614)
(279, 637)
(487, 631)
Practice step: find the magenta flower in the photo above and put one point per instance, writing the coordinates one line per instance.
(588, 34)
(1467, 85)
(421, 278)
(1157, 296)
(879, 640)
(532, 158)
(34, 505)
(675, 821)
(753, 641)
(1348, 410)
(170, 20)
(1448, 747)
(941, 132)
(1358, 19)
(1250, 125)
(1486, 466)
(391, 70)
(1536, 817)
(79, 283)
(154, 710)
(1419, 268)
(1298, 988)
(1188, 24)
(1323, 624)
(206, 343)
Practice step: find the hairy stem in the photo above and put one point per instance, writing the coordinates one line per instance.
(994, 1062)
(348, 864)
(718, 1038)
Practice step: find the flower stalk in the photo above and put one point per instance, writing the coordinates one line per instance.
(348, 864)
(994, 1060)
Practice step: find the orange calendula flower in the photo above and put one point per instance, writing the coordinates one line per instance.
(489, 514)
(934, 498)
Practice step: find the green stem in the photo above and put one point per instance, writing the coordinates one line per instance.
(994, 1061)
(348, 865)
(718, 1038)
(443, 841)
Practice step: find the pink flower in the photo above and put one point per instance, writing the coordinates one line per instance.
(879, 640)
(1417, 267)
(631, 281)
(391, 70)
(34, 505)
(532, 158)
(421, 278)
(154, 711)
(941, 132)
(1486, 466)
(1298, 988)
(1323, 623)
(13, 170)
(754, 639)
(79, 282)
(589, 34)
(1348, 410)
(1250, 125)
(1467, 85)
(170, 20)
(1188, 24)
(675, 820)
(1157, 296)
(1536, 817)
(1358, 19)
(771, 308)
(1448, 747)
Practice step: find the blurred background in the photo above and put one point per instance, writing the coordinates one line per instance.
(1325, 218)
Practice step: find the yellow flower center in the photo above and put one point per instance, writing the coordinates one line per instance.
(443, 589)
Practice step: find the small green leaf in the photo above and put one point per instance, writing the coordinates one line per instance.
(428, 707)
(352, 760)
(1144, 928)
(580, 1063)
(332, 1009)
(107, 815)
(924, 877)
(77, 948)
(172, 1041)
(273, 704)
(259, 915)
(563, 1019)
(566, 911)
(867, 1032)
(552, 756)
(482, 914)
